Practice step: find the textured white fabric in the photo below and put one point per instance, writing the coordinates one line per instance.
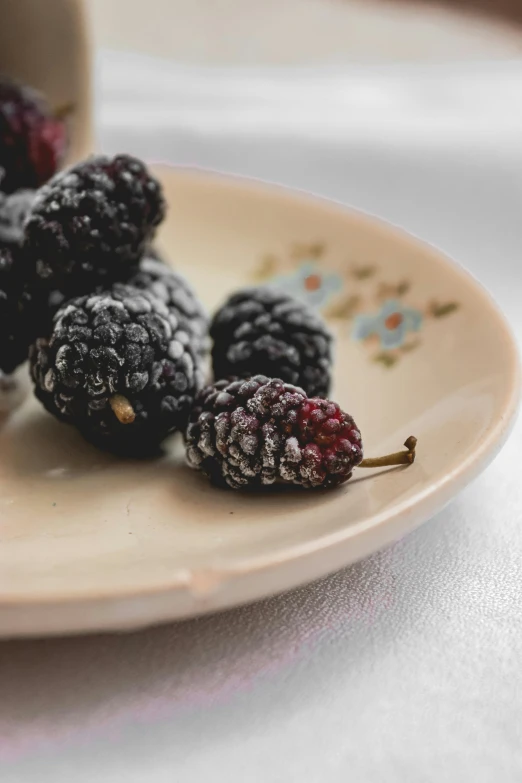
(403, 668)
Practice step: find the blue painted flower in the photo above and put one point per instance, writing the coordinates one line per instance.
(391, 324)
(310, 283)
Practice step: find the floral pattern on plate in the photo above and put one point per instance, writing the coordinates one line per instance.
(382, 316)
(391, 324)
(311, 284)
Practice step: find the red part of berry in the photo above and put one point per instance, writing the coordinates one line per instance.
(33, 142)
(333, 438)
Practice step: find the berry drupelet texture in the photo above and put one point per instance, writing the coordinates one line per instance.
(14, 340)
(261, 330)
(120, 367)
(253, 432)
(14, 209)
(40, 304)
(91, 224)
(13, 337)
(174, 291)
(33, 143)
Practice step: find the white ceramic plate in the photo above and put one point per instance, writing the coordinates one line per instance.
(90, 542)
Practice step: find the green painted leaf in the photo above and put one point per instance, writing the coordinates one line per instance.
(408, 347)
(308, 250)
(441, 311)
(344, 308)
(363, 272)
(387, 359)
(266, 268)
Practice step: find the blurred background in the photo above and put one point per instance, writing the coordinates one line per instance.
(410, 110)
(309, 31)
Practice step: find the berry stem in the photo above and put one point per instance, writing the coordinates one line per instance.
(122, 409)
(399, 458)
(64, 111)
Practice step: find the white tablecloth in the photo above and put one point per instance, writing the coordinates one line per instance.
(407, 666)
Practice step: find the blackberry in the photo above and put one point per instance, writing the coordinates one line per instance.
(14, 339)
(13, 334)
(118, 365)
(258, 431)
(33, 142)
(173, 290)
(250, 433)
(14, 209)
(40, 304)
(90, 225)
(261, 330)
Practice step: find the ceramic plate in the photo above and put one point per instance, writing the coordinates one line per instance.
(90, 542)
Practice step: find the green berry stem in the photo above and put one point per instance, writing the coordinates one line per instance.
(398, 458)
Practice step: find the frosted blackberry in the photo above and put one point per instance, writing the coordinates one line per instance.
(261, 430)
(26, 304)
(261, 330)
(173, 290)
(120, 367)
(14, 209)
(250, 433)
(90, 225)
(13, 335)
(14, 338)
(41, 304)
(33, 142)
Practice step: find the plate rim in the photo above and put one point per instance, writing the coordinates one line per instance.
(463, 474)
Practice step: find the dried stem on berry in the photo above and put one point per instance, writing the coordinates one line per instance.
(64, 111)
(399, 458)
(122, 409)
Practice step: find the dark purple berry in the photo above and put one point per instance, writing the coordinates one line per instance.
(14, 210)
(14, 335)
(175, 292)
(33, 143)
(120, 366)
(249, 433)
(91, 224)
(262, 330)
(40, 304)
